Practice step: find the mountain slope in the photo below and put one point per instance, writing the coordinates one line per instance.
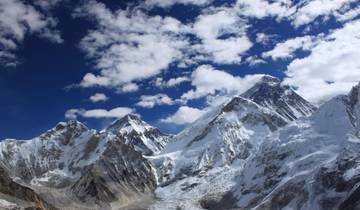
(311, 164)
(217, 146)
(71, 165)
(15, 196)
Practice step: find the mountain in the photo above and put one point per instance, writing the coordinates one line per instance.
(270, 93)
(12, 193)
(219, 144)
(71, 165)
(133, 131)
(266, 149)
(237, 128)
(313, 163)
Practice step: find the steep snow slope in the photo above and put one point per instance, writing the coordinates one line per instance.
(71, 165)
(215, 148)
(146, 139)
(232, 130)
(311, 164)
(237, 130)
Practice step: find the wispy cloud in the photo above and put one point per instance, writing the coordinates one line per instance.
(18, 19)
(117, 112)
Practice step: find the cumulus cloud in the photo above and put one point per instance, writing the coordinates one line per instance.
(332, 68)
(208, 80)
(287, 48)
(223, 37)
(149, 101)
(184, 115)
(129, 87)
(176, 81)
(348, 14)
(167, 3)
(254, 61)
(118, 112)
(18, 19)
(310, 10)
(159, 82)
(265, 38)
(128, 46)
(263, 8)
(298, 13)
(97, 97)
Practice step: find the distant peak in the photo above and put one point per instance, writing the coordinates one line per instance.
(270, 80)
(133, 116)
(71, 124)
(127, 120)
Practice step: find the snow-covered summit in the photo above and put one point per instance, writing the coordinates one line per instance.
(312, 163)
(231, 132)
(126, 123)
(64, 131)
(132, 130)
(270, 93)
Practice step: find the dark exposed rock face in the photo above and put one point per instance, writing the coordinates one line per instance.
(20, 195)
(270, 93)
(120, 175)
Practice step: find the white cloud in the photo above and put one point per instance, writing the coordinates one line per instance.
(208, 80)
(348, 15)
(128, 46)
(212, 28)
(333, 66)
(265, 38)
(90, 80)
(129, 87)
(300, 13)
(168, 3)
(97, 97)
(287, 48)
(71, 114)
(159, 82)
(317, 8)
(118, 112)
(18, 19)
(176, 81)
(263, 8)
(184, 115)
(254, 61)
(149, 101)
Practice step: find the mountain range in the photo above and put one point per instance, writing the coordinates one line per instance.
(267, 148)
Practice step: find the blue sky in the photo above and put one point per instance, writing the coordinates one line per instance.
(168, 61)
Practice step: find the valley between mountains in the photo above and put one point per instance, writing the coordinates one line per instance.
(266, 149)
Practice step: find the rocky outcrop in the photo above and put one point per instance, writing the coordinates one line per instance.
(18, 196)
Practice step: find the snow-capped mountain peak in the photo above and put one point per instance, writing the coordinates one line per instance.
(64, 132)
(144, 137)
(128, 123)
(271, 93)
